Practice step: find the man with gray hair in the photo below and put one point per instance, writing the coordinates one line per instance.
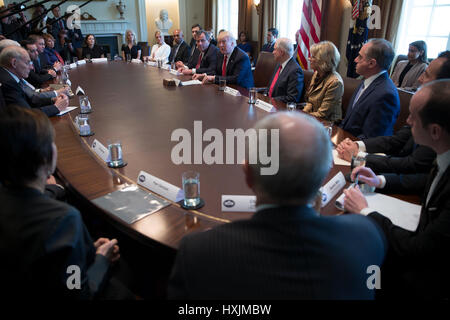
(286, 250)
(233, 64)
(375, 105)
(15, 65)
(286, 83)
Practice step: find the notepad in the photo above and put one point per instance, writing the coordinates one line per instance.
(68, 109)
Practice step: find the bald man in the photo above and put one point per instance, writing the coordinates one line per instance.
(286, 250)
(180, 49)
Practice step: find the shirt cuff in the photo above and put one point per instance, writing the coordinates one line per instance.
(362, 154)
(366, 211)
(361, 146)
(383, 182)
(56, 94)
(193, 71)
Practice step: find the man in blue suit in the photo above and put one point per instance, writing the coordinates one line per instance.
(286, 83)
(233, 64)
(375, 105)
(286, 250)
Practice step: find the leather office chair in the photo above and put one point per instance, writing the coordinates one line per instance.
(142, 43)
(405, 97)
(145, 51)
(264, 69)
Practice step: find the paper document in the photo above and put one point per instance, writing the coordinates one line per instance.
(401, 213)
(94, 60)
(68, 109)
(190, 82)
(338, 161)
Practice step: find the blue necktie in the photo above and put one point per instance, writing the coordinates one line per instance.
(358, 95)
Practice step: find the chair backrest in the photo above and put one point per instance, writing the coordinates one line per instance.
(79, 53)
(142, 43)
(350, 85)
(399, 58)
(145, 51)
(405, 97)
(264, 69)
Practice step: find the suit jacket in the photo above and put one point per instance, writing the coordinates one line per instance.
(289, 86)
(410, 81)
(209, 60)
(37, 79)
(239, 69)
(418, 262)
(403, 155)
(183, 54)
(15, 94)
(280, 253)
(268, 47)
(40, 239)
(192, 61)
(324, 97)
(375, 112)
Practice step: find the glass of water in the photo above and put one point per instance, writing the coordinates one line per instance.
(357, 161)
(291, 106)
(128, 57)
(88, 57)
(222, 85)
(191, 188)
(108, 56)
(75, 60)
(115, 154)
(85, 105)
(328, 127)
(84, 125)
(252, 96)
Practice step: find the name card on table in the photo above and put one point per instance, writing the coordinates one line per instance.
(332, 188)
(80, 62)
(80, 91)
(232, 203)
(73, 65)
(175, 72)
(95, 60)
(160, 187)
(152, 63)
(135, 61)
(165, 67)
(100, 150)
(232, 91)
(190, 82)
(264, 106)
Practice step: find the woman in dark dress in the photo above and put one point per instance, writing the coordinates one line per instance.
(91, 49)
(244, 45)
(130, 47)
(47, 252)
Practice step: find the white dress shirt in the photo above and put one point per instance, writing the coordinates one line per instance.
(160, 52)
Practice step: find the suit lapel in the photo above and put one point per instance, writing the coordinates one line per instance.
(232, 58)
(439, 187)
(371, 88)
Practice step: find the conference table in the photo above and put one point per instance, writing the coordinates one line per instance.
(131, 104)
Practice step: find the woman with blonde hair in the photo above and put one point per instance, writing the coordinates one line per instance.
(130, 47)
(324, 95)
(160, 50)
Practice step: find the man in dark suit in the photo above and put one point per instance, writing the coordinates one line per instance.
(41, 64)
(286, 250)
(207, 58)
(15, 65)
(418, 262)
(180, 50)
(272, 35)
(403, 154)
(36, 78)
(375, 105)
(286, 83)
(233, 64)
(194, 29)
(57, 23)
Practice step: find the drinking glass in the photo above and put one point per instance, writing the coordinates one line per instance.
(222, 85)
(115, 154)
(252, 96)
(191, 188)
(291, 106)
(128, 57)
(85, 105)
(84, 125)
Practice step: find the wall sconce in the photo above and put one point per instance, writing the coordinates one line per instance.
(257, 4)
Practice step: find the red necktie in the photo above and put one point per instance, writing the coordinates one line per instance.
(275, 79)
(59, 57)
(199, 61)
(224, 66)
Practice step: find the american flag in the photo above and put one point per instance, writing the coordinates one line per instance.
(309, 32)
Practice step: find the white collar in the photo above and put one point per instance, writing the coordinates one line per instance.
(443, 161)
(284, 64)
(369, 80)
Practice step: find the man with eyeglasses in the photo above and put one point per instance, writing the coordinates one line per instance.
(36, 78)
(15, 66)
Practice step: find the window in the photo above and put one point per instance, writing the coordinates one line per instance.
(228, 14)
(427, 20)
(289, 14)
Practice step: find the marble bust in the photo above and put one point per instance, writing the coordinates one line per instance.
(163, 23)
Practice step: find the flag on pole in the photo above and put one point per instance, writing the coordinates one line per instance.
(309, 32)
(358, 33)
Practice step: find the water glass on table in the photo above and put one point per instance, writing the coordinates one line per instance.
(115, 154)
(252, 96)
(191, 188)
(222, 84)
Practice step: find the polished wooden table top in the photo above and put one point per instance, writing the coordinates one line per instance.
(131, 104)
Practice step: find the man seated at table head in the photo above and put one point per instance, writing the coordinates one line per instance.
(207, 57)
(286, 250)
(375, 105)
(272, 35)
(180, 50)
(233, 64)
(286, 83)
(15, 65)
(404, 155)
(418, 261)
